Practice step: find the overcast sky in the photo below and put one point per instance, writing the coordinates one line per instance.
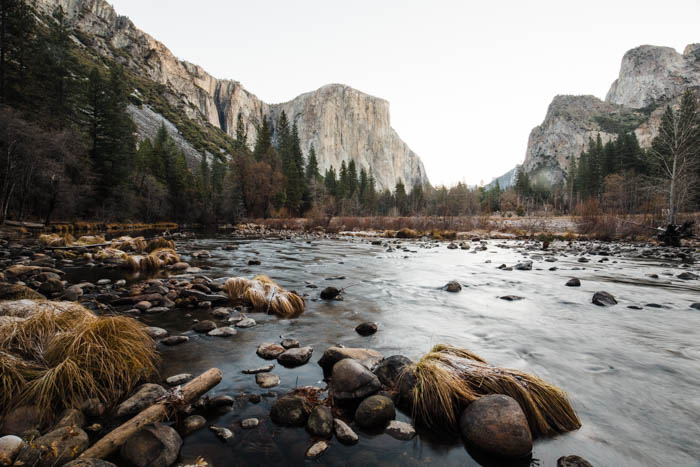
(466, 81)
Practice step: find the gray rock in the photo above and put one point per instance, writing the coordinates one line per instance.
(176, 380)
(390, 369)
(453, 286)
(267, 380)
(143, 305)
(250, 423)
(603, 299)
(204, 326)
(320, 422)
(573, 461)
(686, 276)
(245, 323)
(695, 306)
(496, 425)
(352, 380)
(573, 283)
(225, 331)
(57, 447)
(221, 313)
(375, 412)
(400, 430)
(10, 446)
(315, 451)
(174, 340)
(368, 357)
(295, 357)
(223, 433)
(511, 298)
(290, 411)
(269, 350)
(524, 266)
(156, 332)
(344, 433)
(155, 445)
(73, 293)
(144, 397)
(262, 369)
(289, 343)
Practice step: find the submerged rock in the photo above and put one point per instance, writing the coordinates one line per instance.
(250, 423)
(604, 299)
(573, 283)
(262, 369)
(496, 425)
(375, 412)
(344, 433)
(524, 266)
(352, 380)
(223, 433)
(511, 298)
(290, 410)
(193, 423)
(688, 276)
(267, 380)
(225, 331)
(204, 326)
(89, 463)
(366, 329)
(320, 422)
(330, 293)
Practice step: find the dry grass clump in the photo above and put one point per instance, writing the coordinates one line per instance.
(408, 233)
(449, 378)
(63, 354)
(133, 244)
(90, 240)
(153, 261)
(54, 240)
(262, 294)
(159, 242)
(105, 254)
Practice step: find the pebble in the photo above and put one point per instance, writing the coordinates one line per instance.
(316, 449)
(156, 332)
(223, 433)
(249, 423)
(262, 369)
(245, 323)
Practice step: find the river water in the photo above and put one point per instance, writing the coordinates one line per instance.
(633, 376)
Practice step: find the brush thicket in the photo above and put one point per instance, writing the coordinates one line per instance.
(262, 294)
(449, 378)
(63, 354)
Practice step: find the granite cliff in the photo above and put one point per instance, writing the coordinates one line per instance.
(342, 123)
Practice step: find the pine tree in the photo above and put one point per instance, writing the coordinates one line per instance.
(312, 172)
(16, 30)
(352, 178)
(263, 140)
(343, 182)
(241, 133)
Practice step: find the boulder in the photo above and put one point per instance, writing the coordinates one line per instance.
(269, 350)
(400, 430)
(73, 293)
(390, 369)
(143, 398)
(573, 283)
(155, 445)
(496, 425)
(290, 410)
(352, 380)
(204, 326)
(155, 332)
(21, 419)
(57, 447)
(51, 286)
(174, 340)
(295, 357)
(10, 446)
(267, 380)
(695, 306)
(366, 329)
(573, 461)
(179, 379)
(245, 323)
(375, 412)
(368, 357)
(686, 276)
(330, 293)
(453, 286)
(603, 299)
(320, 422)
(344, 433)
(289, 343)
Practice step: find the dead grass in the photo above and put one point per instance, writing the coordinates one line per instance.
(54, 240)
(449, 378)
(63, 354)
(131, 244)
(159, 242)
(262, 294)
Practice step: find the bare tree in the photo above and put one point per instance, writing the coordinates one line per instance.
(676, 152)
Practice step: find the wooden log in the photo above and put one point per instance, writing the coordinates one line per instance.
(155, 413)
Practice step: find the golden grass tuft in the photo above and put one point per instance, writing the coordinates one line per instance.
(110, 254)
(132, 244)
(153, 261)
(63, 354)
(160, 242)
(262, 294)
(408, 233)
(54, 240)
(90, 240)
(449, 378)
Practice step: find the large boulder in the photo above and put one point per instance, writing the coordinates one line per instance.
(368, 357)
(390, 369)
(57, 447)
(155, 445)
(295, 356)
(144, 397)
(290, 411)
(375, 412)
(603, 299)
(352, 380)
(496, 425)
(320, 422)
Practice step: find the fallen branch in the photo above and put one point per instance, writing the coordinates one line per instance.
(155, 413)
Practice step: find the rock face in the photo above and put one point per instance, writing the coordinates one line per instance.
(650, 78)
(341, 123)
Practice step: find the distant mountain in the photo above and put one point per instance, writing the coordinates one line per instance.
(342, 123)
(506, 180)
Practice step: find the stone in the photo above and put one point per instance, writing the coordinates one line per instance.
(320, 422)
(269, 350)
(93, 408)
(253, 262)
(330, 293)
(262, 369)
(57, 447)
(250, 423)
(352, 380)
(453, 286)
(179, 379)
(223, 433)
(524, 266)
(573, 283)
(316, 449)
(573, 461)
(344, 433)
(221, 313)
(204, 326)
(73, 293)
(695, 306)
(295, 357)
(366, 329)
(51, 286)
(21, 419)
(155, 445)
(245, 323)
(496, 425)
(222, 400)
(144, 397)
(10, 446)
(603, 299)
(368, 357)
(390, 369)
(686, 276)
(375, 412)
(289, 343)
(225, 331)
(267, 380)
(511, 298)
(452, 246)
(89, 463)
(174, 340)
(400, 430)
(143, 305)
(193, 423)
(71, 417)
(18, 292)
(290, 410)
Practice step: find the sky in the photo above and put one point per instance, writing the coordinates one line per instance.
(466, 81)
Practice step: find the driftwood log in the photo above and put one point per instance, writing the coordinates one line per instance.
(155, 413)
